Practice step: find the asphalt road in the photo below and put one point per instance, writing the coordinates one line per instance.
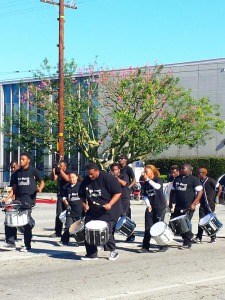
(53, 272)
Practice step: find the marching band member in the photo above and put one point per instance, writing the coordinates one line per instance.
(186, 192)
(155, 204)
(125, 169)
(25, 190)
(60, 174)
(208, 200)
(100, 193)
(73, 205)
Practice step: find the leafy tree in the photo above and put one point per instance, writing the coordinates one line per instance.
(138, 112)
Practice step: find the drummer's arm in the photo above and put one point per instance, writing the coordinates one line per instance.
(65, 202)
(84, 203)
(197, 198)
(114, 199)
(10, 194)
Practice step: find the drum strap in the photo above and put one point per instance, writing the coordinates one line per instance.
(206, 198)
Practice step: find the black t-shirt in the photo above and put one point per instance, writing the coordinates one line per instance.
(26, 183)
(129, 171)
(71, 195)
(61, 182)
(12, 179)
(209, 192)
(125, 189)
(101, 191)
(185, 191)
(156, 197)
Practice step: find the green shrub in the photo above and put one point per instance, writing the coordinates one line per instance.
(50, 186)
(214, 165)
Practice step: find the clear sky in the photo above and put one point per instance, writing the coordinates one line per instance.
(122, 33)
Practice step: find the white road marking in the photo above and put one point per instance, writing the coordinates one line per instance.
(127, 294)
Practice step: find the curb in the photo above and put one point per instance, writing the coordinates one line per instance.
(47, 201)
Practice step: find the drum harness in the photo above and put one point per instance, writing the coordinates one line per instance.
(206, 198)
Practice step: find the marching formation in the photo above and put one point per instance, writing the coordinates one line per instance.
(94, 208)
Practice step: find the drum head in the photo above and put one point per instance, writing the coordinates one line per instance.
(96, 224)
(76, 226)
(158, 228)
(206, 219)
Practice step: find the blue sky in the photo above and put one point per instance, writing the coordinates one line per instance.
(122, 33)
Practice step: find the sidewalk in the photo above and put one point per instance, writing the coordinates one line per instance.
(48, 198)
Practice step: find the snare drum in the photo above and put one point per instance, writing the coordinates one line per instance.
(96, 233)
(76, 230)
(125, 226)
(180, 225)
(210, 224)
(161, 233)
(16, 217)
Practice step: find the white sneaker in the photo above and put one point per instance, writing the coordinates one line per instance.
(8, 247)
(25, 249)
(113, 255)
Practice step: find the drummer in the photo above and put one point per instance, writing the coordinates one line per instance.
(155, 204)
(186, 193)
(208, 200)
(123, 180)
(73, 205)
(25, 189)
(100, 193)
(11, 232)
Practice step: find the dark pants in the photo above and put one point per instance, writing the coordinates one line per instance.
(187, 236)
(10, 238)
(150, 219)
(10, 231)
(203, 211)
(60, 207)
(69, 221)
(126, 211)
(92, 251)
(129, 216)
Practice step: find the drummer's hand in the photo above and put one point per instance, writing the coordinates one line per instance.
(6, 200)
(192, 208)
(39, 190)
(149, 208)
(107, 206)
(85, 207)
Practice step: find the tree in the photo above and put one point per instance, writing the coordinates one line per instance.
(139, 112)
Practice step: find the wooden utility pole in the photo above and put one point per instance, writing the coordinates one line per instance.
(61, 72)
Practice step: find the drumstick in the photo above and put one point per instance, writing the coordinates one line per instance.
(96, 203)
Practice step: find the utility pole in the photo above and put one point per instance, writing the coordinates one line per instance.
(61, 72)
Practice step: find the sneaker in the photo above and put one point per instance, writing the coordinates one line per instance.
(25, 249)
(113, 255)
(213, 240)
(143, 250)
(163, 249)
(184, 247)
(130, 238)
(55, 235)
(61, 244)
(8, 247)
(196, 240)
(88, 258)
